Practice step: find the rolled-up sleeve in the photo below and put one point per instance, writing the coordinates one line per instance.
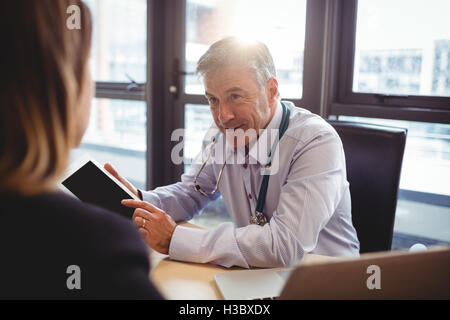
(180, 200)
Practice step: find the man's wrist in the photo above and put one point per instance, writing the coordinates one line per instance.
(185, 243)
(170, 240)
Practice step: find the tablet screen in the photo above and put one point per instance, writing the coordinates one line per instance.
(90, 184)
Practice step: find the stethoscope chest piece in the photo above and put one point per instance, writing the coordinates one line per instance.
(258, 219)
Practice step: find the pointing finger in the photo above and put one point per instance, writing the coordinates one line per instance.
(140, 204)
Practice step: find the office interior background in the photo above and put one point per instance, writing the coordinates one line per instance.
(384, 62)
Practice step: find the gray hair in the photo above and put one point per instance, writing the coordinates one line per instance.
(232, 51)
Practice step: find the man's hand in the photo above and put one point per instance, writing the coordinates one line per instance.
(155, 226)
(108, 167)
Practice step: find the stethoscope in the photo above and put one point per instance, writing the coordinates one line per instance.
(258, 218)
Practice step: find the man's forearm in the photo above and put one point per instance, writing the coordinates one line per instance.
(178, 200)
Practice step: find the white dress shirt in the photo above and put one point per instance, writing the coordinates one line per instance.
(308, 206)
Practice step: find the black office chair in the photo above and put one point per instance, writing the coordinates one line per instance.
(374, 156)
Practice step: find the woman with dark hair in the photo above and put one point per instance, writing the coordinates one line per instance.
(51, 245)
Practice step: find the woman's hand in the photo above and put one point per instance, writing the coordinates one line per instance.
(108, 167)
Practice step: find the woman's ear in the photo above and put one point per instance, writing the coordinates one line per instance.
(272, 90)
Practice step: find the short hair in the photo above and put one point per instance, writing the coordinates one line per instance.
(41, 78)
(232, 51)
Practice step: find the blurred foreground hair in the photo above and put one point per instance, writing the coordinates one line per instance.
(41, 75)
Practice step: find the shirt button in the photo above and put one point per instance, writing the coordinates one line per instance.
(245, 165)
(250, 196)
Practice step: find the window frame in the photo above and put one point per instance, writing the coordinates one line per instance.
(159, 101)
(343, 101)
(138, 92)
(120, 90)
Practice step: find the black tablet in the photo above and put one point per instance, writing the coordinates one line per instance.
(91, 183)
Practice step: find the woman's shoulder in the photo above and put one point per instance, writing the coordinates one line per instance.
(85, 221)
(56, 206)
(58, 219)
(53, 231)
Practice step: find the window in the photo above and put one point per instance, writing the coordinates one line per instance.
(117, 134)
(410, 42)
(284, 34)
(117, 130)
(119, 51)
(389, 65)
(426, 161)
(423, 207)
(394, 68)
(117, 123)
(390, 59)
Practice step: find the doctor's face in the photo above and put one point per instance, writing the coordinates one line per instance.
(237, 101)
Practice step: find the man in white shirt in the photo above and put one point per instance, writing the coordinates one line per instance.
(307, 206)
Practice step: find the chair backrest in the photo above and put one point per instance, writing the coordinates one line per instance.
(374, 156)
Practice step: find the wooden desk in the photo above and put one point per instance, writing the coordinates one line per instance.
(184, 280)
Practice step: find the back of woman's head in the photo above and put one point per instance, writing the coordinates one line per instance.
(43, 64)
